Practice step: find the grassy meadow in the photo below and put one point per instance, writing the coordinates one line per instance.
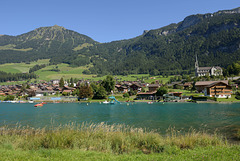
(51, 72)
(111, 142)
(21, 67)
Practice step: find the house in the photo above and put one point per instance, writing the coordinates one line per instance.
(147, 95)
(176, 94)
(153, 87)
(122, 88)
(68, 88)
(175, 85)
(136, 87)
(218, 90)
(187, 85)
(201, 85)
(55, 81)
(40, 93)
(207, 71)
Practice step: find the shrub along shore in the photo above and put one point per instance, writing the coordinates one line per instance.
(111, 142)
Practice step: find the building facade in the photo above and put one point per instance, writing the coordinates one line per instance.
(218, 90)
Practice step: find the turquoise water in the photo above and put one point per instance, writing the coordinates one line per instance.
(182, 116)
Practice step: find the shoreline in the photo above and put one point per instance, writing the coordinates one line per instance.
(135, 101)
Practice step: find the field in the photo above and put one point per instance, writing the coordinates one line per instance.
(67, 72)
(21, 67)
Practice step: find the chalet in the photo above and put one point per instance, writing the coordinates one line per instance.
(218, 90)
(187, 85)
(68, 88)
(147, 95)
(153, 87)
(136, 87)
(121, 88)
(201, 85)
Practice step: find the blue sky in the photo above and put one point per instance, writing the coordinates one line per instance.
(102, 20)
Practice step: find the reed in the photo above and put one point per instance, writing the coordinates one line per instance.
(117, 139)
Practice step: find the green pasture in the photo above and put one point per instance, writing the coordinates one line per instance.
(21, 67)
(64, 70)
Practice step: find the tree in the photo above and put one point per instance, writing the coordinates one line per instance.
(85, 91)
(23, 88)
(108, 83)
(9, 98)
(28, 86)
(237, 95)
(61, 83)
(94, 87)
(100, 93)
(71, 82)
(161, 91)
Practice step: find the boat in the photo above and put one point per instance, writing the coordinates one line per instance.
(44, 103)
(38, 105)
(30, 102)
(106, 102)
(149, 102)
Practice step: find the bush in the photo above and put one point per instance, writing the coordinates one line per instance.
(237, 95)
(126, 95)
(9, 98)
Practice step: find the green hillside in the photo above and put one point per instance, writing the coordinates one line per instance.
(214, 38)
(43, 43)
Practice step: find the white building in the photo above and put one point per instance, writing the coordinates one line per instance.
(207, 71)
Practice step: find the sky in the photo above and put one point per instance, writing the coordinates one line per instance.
(102, 20)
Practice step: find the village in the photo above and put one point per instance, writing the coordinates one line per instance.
(207, 85)
(179, 91)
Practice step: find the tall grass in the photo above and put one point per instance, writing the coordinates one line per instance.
(117, 139)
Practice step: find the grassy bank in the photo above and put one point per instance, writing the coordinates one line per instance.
(111, 142)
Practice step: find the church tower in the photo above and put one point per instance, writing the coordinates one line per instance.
(196, 63)
(196, 66)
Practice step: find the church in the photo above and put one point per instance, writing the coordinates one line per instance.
(207, 71)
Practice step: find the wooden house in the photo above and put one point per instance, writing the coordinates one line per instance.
(153, 87)
(218, 90)
(201, 85)
(136, 87)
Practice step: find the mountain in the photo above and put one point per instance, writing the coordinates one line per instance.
(45, 42)
(213, 37)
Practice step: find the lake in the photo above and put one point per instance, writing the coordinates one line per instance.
(158, 116)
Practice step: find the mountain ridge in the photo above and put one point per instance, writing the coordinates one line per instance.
(172, 48)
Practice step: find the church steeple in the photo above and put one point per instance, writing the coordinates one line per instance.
(196, 63)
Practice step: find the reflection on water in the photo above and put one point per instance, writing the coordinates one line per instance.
(224, 117)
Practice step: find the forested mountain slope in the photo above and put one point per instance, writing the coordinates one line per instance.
(214, 38)
(45, 42)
